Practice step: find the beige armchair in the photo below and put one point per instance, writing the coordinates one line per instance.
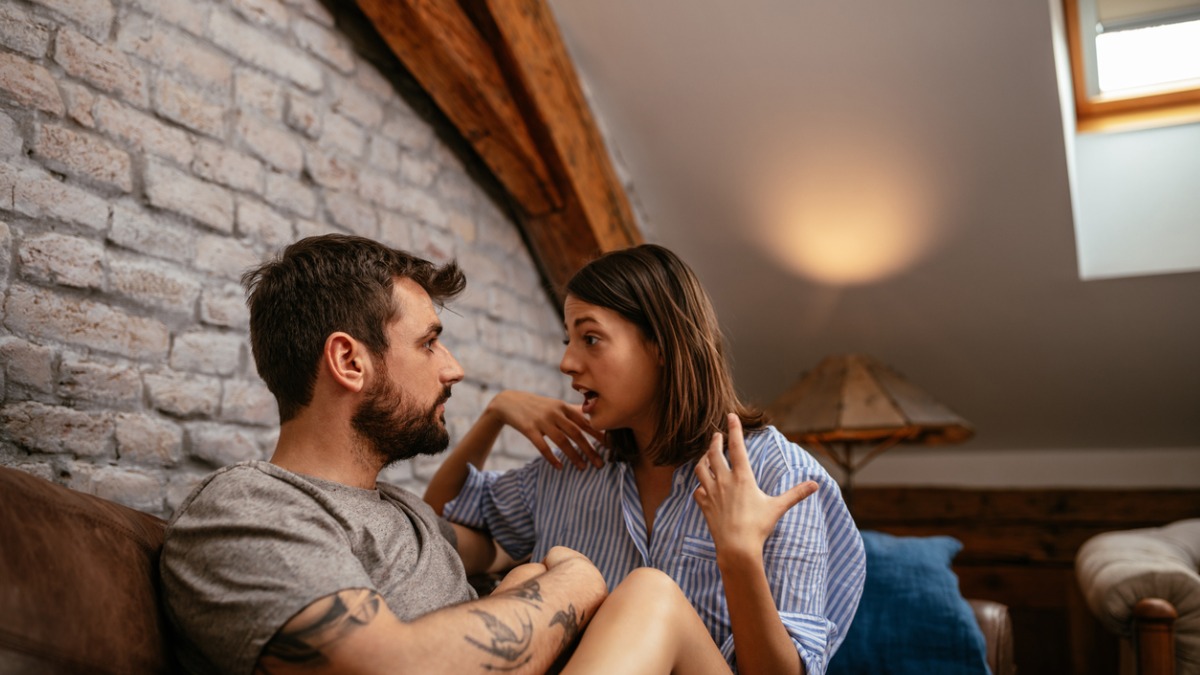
(1143, 585)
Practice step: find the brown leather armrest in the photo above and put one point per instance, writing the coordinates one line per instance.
(996, 625)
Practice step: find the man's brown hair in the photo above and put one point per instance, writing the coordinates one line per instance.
(321, 285)
(651, 287)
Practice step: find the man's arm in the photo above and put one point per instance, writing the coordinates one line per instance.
(520, 629)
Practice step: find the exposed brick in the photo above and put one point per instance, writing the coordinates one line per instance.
(80, 102)
(421, 205)
(167, 47)
(351, 213)
(142, 132)
(342, 134)
(408, 130)
(434, 244)
(29, 84)
(42, 313)
(180, 486)
(224, 305)
(147, 440)
(101, 65)
(462, 226)
(82, 378)
(146, 233)
(10, 141)
(303, 115)
(289, 194)
(313, 228)
(331, 171)
(37, 194)
(60, 259)
(189, 15)
(135, 489)
(257, 91)
(95, 17)
(358, 105)
(224, 256)
(274, 145)
(263, 50)
(58, 430)
(314, 10)
(5, 251)
(417, 170)
(206, 352)
(374, 83)
(188, 107)
(325, 44)
(220, 445)
(383, 153)
(269, 13)
(22, 32)
(171, 189)
(262, 223)
(28, 364)
(249, 402)
(154, 284)
(219, 164)
(183, 395)
(83, 155)
(395, 230)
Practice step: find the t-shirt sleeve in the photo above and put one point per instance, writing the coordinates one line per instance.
(233, 576)
(501, 504)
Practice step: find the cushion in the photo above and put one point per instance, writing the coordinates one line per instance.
(78, 582)
(912, 617)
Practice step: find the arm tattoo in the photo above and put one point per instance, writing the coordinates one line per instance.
(529, 592)
(505, 643)
(569, 620)
(304, 638)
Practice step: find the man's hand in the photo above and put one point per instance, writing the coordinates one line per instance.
(539, 418)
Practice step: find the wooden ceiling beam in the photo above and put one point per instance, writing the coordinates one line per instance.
(499, 71)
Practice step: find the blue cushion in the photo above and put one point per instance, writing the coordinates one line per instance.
(912, 617)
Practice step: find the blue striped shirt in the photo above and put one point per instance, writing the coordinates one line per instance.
(814, 559)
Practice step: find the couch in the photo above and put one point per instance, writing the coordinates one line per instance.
(1143, 585)
(79, 588)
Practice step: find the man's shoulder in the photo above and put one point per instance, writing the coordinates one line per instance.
(240, 486)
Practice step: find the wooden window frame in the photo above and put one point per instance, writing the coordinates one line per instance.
(1122, 112)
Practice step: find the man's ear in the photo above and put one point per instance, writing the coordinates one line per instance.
(347, 361)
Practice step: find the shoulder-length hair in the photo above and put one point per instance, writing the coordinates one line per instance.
(651, 287)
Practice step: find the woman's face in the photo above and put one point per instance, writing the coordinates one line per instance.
(614, 366)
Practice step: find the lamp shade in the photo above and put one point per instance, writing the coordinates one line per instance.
(855, 398)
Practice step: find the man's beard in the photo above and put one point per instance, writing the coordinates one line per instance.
(394, 429)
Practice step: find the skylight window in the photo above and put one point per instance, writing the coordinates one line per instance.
(1149, 59)
(1134, 62)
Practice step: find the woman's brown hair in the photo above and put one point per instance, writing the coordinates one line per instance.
(651, 287)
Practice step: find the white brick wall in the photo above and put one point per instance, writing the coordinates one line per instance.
(151, 151)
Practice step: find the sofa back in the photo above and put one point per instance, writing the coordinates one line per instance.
(79, 589)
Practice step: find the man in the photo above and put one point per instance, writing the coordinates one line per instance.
(307, 564)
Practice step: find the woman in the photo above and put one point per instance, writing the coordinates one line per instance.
(776, 577)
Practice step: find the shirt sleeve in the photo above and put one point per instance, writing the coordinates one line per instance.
(234, 575)
(500, 503)
(797, 558)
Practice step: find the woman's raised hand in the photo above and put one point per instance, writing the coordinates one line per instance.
(539, 418)
(739, 514)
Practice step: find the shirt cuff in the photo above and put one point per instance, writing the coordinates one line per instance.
(810, 634)
(468, 507)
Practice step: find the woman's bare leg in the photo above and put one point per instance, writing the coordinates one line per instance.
(646, 627)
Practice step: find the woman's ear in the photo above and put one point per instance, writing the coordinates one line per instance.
(347, 361)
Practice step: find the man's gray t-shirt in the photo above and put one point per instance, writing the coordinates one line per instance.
(254, 544)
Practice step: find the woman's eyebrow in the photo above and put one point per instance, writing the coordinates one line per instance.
(582, 320)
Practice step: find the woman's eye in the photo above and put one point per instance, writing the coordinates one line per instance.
(590, 339)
